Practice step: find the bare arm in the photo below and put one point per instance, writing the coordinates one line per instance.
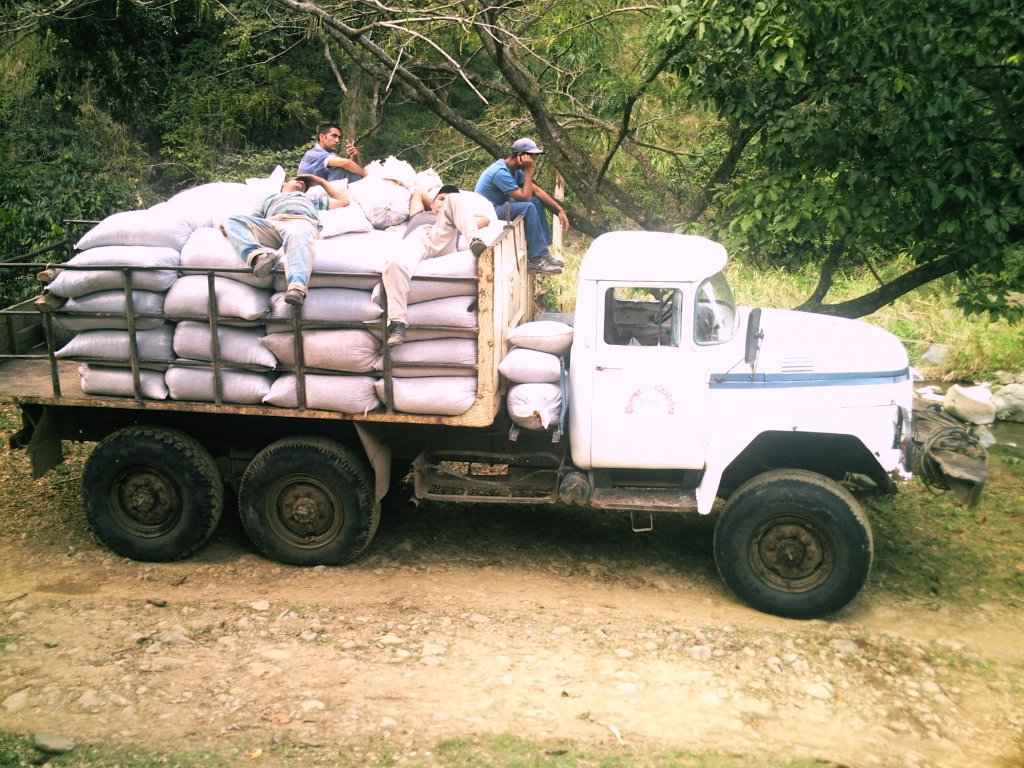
(526, 192)
(339, 195)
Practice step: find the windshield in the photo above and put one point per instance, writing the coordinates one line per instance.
(715, 319)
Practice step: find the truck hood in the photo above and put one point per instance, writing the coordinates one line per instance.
(806, 343)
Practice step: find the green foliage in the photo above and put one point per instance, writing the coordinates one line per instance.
(81, 166)
(884, 128)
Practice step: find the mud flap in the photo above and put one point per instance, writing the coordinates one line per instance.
(44, 449)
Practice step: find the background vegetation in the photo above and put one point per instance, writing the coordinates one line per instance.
(859, 153)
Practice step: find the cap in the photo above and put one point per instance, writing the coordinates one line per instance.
(526, 146)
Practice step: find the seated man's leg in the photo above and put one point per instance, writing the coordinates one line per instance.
(297, 237)
(250, 236)
(456, 217)
(397, 275)
(533, 226)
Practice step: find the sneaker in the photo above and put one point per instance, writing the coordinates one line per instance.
(477, 246)
(263, 263)
(295, 297)
(545, 265)
(396, 332)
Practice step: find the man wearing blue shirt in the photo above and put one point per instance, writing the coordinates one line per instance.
(510, 180)
(323, 160)
(288, 220)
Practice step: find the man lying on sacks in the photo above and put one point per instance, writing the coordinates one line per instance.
(431, 233)
(284, 225)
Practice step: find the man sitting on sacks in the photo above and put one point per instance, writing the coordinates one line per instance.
(430, 233)
(288, 220)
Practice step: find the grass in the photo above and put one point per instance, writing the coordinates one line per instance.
(17, 751)
(928, 547)
(975, 347)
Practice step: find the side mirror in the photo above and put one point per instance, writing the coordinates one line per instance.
(754, 337)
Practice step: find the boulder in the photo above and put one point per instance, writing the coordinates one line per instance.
(970, 404)
(1009, 403)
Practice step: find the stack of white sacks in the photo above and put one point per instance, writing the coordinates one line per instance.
(179, 241)
(535, 366)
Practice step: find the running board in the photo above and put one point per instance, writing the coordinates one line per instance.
(646, 499)
(528, 478)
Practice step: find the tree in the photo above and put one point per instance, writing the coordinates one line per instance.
(872, 130)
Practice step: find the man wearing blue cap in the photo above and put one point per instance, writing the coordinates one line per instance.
(510, 180)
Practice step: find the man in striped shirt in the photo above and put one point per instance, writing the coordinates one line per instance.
(283, 227)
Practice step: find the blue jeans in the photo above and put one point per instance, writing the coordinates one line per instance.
(294, 236)
(535, 225)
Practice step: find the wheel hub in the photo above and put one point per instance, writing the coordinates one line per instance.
(305, 509)
(147, 498)
(791, 551)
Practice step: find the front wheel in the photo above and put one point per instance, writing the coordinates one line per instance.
(793, 543)
(308, 501)
(152, 493)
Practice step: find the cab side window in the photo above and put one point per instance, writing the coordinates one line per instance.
(642, 317)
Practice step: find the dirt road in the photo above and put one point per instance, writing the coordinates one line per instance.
(462, 621)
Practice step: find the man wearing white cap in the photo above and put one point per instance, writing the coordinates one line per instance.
(510, 181)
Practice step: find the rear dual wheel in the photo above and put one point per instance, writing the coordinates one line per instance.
(308, 501)
(152, 493)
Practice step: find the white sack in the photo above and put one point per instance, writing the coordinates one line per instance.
(340, 221)
(190, 297)
(353, 260)
(240, 387)
(347, 394)
(159, 226)
(438, 395)
(453, 312)
(335, 305)
(118, 382)
(152, 346)
(524, 366)
(209, 248)
(534, 406)
(240, 346)
(71, 283)
(384, 201)
(434, 352)
(73, 314)
(350, 351)
(543, 336)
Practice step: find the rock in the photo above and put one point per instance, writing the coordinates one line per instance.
(260, 605)
(52, 743)
(16, 701)
(1003, 377)
(970, 404)
(935, 354)
(819, 690)
(984, 436)
(1009, 403)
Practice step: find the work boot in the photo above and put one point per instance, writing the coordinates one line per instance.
(295, 297)
(263, 263)
(545, 265)
(396, 333)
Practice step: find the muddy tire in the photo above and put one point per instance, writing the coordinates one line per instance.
(152, 494)
(793, 543)
(308, 501)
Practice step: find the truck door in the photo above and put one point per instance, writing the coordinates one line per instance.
(650, 393)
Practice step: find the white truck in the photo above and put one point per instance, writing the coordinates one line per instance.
(673, 397)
